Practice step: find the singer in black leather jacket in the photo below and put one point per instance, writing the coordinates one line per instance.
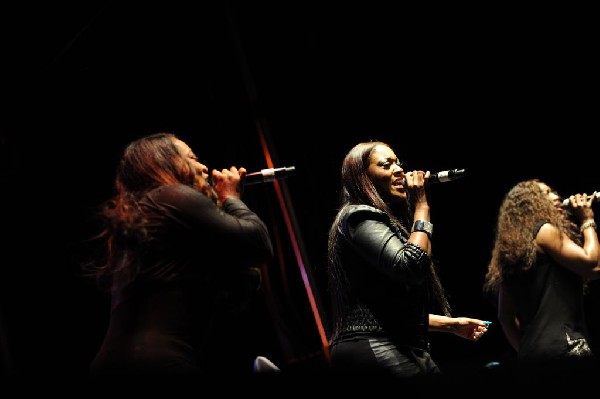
(383, 282)
(180, 254)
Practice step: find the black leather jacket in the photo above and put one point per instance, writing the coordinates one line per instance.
(386, 291)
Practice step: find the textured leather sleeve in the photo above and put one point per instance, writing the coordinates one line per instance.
(374, 237)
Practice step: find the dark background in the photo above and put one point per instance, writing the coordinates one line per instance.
(505, 93)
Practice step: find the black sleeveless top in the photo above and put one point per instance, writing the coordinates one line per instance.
(550, 308)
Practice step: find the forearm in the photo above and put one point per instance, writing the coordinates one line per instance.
(591, 246)
(507, 316)
(421, 238)
(464, 327)
(511, 332)
(440, 323)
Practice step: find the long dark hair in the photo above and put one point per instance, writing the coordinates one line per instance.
(514, 249)
(146, 163)
(357, 188)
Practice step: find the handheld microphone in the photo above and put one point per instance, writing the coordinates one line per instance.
(567, 201)
(268, 175)
(446, 175)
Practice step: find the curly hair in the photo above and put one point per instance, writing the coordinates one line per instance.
(514, 249)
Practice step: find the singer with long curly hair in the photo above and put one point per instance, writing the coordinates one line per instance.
(542, 256)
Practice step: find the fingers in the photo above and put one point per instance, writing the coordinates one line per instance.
(581, 200)
(227, 173)
(415, 178)
(480, 330)
(479, 333)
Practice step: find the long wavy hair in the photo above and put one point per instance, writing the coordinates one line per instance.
(514, 249)
(358, 188)
(146, 163)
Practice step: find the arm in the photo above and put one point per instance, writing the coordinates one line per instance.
(507, 316)
(580, 260)
(416, 183)
(369, 232)
(233, 226)
(464, 327)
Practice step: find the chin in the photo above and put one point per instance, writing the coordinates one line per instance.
(398, 199)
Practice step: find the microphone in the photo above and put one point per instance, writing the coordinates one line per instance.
(268, 175)
(446, 175)
(567, 201)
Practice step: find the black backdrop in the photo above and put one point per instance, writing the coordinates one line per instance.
(505, 93)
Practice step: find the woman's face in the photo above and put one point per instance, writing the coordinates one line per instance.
(386, 173)
(554, 198)
(202, 182)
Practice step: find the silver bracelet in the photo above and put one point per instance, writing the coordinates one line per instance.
(424, 226)
(591, 223)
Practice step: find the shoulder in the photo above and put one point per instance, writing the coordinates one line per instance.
(354, 213)
(178, 195)
(538, 226)
(353, 216)
(546, 233)
(171, 190)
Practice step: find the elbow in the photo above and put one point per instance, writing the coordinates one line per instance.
(593, 274)
(591, 270)
(506, 319)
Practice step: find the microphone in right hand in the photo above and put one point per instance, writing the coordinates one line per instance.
(567, 201)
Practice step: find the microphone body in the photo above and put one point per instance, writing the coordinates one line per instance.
(268, 175)
(567, 201)
(446, 175)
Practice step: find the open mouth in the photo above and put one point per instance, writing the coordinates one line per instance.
(398, 184)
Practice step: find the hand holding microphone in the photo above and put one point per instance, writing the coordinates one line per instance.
(445, 176)
(595, 195)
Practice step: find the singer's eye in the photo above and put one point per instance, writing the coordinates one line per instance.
(389, 162)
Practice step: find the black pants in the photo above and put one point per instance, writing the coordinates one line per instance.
(378, 355)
